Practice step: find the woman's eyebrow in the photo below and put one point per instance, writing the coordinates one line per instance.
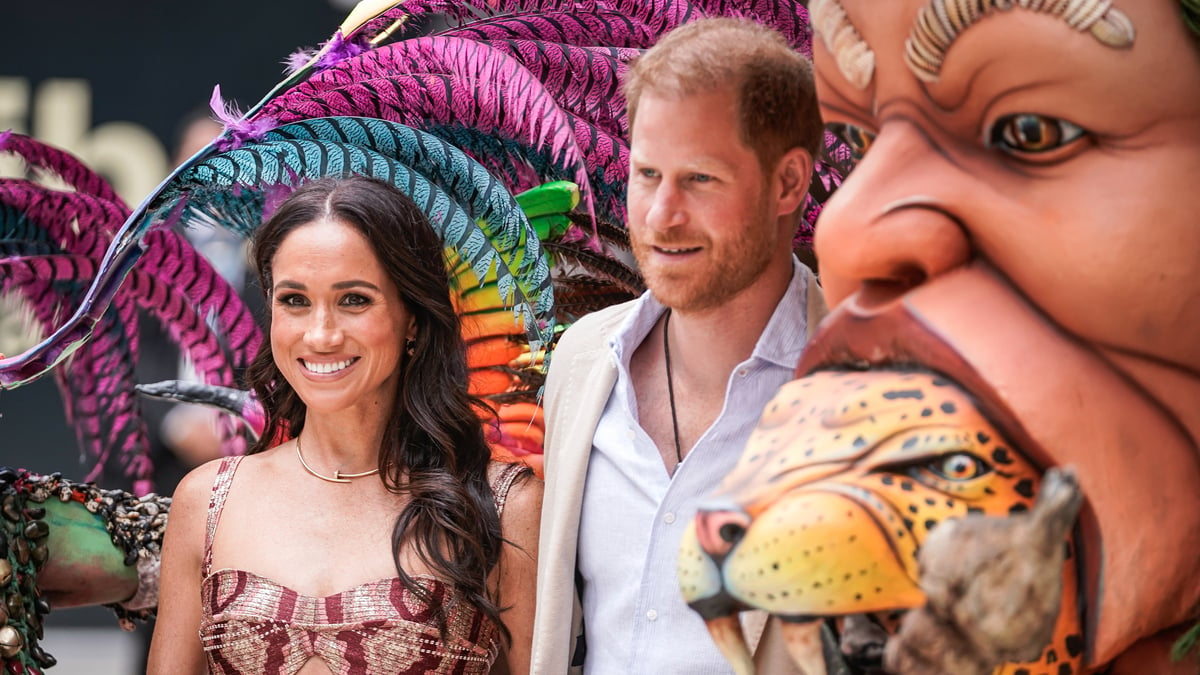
(354, 283)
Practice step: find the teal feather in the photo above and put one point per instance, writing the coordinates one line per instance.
(230, 189)
(450, 168)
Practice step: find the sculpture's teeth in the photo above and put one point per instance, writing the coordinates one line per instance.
(804, 646)
(726, 633)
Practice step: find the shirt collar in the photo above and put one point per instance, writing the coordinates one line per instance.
(780, 343)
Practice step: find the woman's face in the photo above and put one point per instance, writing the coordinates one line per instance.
(338, 323)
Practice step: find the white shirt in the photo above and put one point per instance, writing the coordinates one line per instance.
(634, 514)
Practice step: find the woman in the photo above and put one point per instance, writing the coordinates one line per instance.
(287, 566)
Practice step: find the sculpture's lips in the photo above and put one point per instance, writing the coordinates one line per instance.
(1061, 404)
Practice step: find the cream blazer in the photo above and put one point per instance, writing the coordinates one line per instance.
(581, 378)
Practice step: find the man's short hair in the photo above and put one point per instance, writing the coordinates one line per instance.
(777, 102)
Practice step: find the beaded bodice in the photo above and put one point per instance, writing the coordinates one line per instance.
(251, 624)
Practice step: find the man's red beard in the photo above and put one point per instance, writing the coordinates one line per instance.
(720, 272)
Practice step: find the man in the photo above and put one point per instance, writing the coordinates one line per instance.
(650, 402)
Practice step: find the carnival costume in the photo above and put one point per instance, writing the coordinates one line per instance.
(513, 98)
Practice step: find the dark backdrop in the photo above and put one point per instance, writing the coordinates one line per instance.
(150, 61)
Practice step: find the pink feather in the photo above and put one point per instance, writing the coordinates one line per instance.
(42, 157)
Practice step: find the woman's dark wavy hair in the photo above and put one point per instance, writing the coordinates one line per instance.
(433, 448)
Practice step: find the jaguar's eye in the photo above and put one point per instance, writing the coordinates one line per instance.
(857, 139)
(958, 466)
(1032, 134)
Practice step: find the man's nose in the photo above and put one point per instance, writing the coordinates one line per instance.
(666, 206)
(893, 224)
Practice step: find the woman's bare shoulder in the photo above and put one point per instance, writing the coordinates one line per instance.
(522, 507)
(525, 495)
(196, 487)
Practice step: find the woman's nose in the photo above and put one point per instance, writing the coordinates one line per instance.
(323, 331)
(893, 224)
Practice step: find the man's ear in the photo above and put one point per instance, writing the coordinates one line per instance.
(793, 174)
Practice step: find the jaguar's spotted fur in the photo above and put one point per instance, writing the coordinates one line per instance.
(844, 477)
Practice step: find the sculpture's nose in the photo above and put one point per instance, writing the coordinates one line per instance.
(719, 530)
(898, 221)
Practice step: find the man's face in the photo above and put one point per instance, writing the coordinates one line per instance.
(701, 219)
(1033, 211)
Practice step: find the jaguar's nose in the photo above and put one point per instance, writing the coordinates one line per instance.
(720, 530)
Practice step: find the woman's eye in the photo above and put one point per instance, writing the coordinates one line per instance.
(292, 300)
(857, 139)
(958, 466)
(1032, 134)
(355, 300)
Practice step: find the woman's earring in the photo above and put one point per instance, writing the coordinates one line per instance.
(410, 346)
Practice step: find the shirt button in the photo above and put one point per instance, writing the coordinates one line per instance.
(743, 372)
(669, 518)
(652, 615)
(631, 434)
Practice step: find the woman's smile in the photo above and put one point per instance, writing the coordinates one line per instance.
(327, 367)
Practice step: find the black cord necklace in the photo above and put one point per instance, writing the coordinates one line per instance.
(670, 386)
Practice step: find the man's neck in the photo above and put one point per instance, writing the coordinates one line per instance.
(675, 407)
(707, 345)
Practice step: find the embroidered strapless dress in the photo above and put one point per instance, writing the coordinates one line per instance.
(250, 624)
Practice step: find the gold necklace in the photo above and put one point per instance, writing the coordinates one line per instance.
(338, 477)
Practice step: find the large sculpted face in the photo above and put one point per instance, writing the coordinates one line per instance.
(1067, 164)
(1023, 221)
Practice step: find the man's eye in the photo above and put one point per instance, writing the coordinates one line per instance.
(1032, 134)
(857, 139)
(647, 173)
(702, 178)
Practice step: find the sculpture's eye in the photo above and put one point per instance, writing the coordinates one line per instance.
(856, 138)
(958, 466)
(1032, 134)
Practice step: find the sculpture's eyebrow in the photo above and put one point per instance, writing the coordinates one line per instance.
(940, 22)
(854, 58)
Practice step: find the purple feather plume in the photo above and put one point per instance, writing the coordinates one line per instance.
(238, 128)
(333, 52)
